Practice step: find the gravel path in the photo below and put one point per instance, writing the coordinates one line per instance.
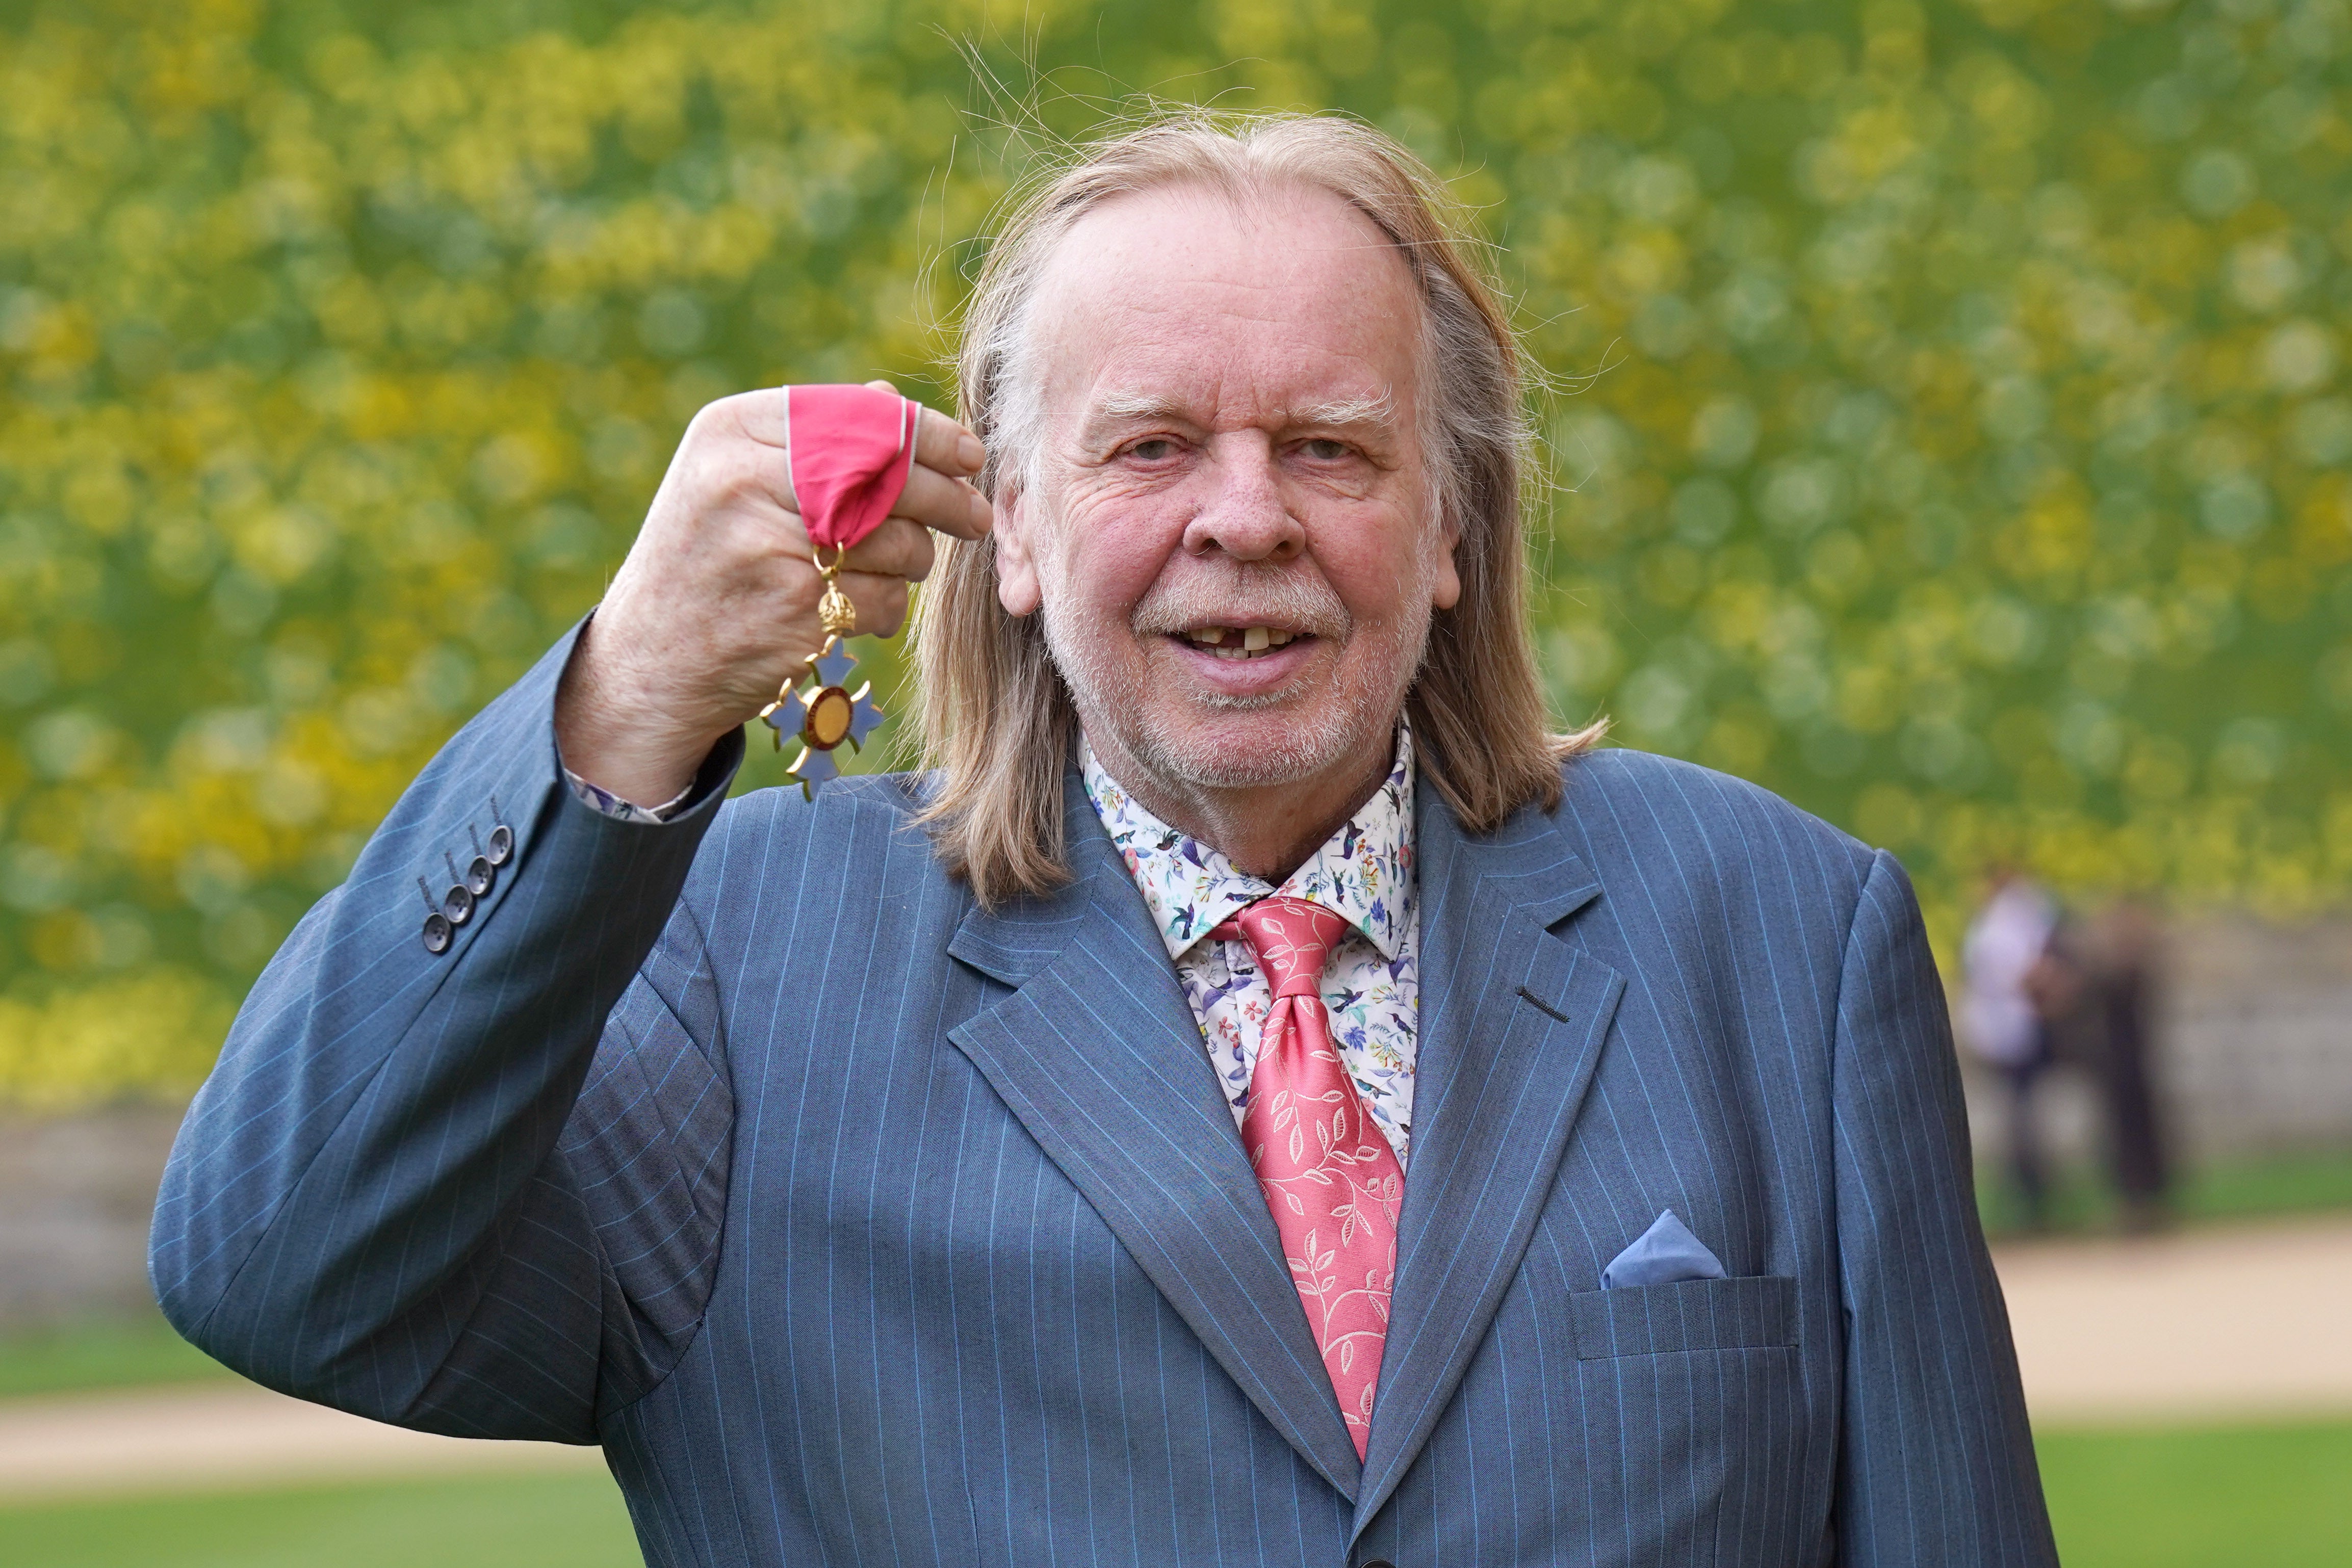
(218, 1437)
(2206, 1325)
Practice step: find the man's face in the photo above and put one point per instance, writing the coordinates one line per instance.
(1232, 535)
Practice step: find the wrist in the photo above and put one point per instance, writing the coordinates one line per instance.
(626, 739)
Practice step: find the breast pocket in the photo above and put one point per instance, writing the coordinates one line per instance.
(1755, 1314)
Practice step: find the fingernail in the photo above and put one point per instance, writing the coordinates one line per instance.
(971, 453)
(981, 512)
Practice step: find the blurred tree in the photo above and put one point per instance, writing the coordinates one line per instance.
(1947, 429)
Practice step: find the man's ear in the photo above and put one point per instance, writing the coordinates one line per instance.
(1016, 567)
(1446, 589)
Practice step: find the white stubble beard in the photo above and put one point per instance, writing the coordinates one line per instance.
(1100, 662)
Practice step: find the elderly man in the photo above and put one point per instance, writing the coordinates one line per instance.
(1257, 1098)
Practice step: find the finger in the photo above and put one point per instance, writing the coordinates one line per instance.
(937, 501)
(941, 443)
(880, 602)
(899, 548)
(930, 500)
(764, 415)
(937, 493)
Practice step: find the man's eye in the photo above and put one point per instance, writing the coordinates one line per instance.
(1327, 451)
(1154, 449)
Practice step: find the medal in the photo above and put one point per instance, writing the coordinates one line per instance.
(829, 714)
(851, 450)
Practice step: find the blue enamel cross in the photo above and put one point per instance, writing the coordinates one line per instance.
(823, 717)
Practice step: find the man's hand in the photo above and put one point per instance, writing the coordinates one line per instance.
(716, 604)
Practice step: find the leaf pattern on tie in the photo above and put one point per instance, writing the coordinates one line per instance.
(1333, 1184)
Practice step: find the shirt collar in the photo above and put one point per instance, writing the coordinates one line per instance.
(1364, 873)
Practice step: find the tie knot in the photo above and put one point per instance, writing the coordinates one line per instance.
(1292, 938)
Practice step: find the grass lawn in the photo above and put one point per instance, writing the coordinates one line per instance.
(2221, 1498)
(2259, 1188)
(2280, 1183)
(2244, 1497)
(127, 1352)
(535, 1521)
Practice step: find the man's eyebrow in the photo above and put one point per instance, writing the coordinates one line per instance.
(1345, 413)
(1135, 405)
(1337, 413)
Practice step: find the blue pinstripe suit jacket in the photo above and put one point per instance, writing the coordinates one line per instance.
(863, 1226)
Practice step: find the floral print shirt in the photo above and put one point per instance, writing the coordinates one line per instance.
(1373, 985)
(598, 798)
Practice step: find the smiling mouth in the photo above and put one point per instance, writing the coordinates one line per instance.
(1240, 642)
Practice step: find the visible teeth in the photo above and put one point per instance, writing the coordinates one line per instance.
(1239, 642)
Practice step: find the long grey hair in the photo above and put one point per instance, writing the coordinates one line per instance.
(995, 720)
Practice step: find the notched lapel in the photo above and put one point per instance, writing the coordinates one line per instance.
(1513, 1019)
(1097, 1054)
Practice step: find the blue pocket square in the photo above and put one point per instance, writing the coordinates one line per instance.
(1665, 1254)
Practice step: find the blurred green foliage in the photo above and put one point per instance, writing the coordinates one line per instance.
(1948, 433)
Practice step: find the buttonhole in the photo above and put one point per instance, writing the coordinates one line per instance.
(1543, 1005)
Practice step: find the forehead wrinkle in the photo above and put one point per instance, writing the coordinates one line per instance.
(1141, 295)
(1109, 284)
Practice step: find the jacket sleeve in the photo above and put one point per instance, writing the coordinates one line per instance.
(439, 1189)
(1935, 1462)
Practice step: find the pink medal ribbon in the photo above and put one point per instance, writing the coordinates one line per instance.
(851, 450)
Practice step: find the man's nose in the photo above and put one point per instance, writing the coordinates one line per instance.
(1246, 513)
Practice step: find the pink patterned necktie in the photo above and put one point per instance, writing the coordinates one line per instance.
(1331, 1178)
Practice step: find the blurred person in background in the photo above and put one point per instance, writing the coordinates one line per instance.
(2004, 1021)
(2092, 989)
(2114, 959)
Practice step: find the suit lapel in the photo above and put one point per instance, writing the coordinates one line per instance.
(1512, 1021)
(1098, 1055)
